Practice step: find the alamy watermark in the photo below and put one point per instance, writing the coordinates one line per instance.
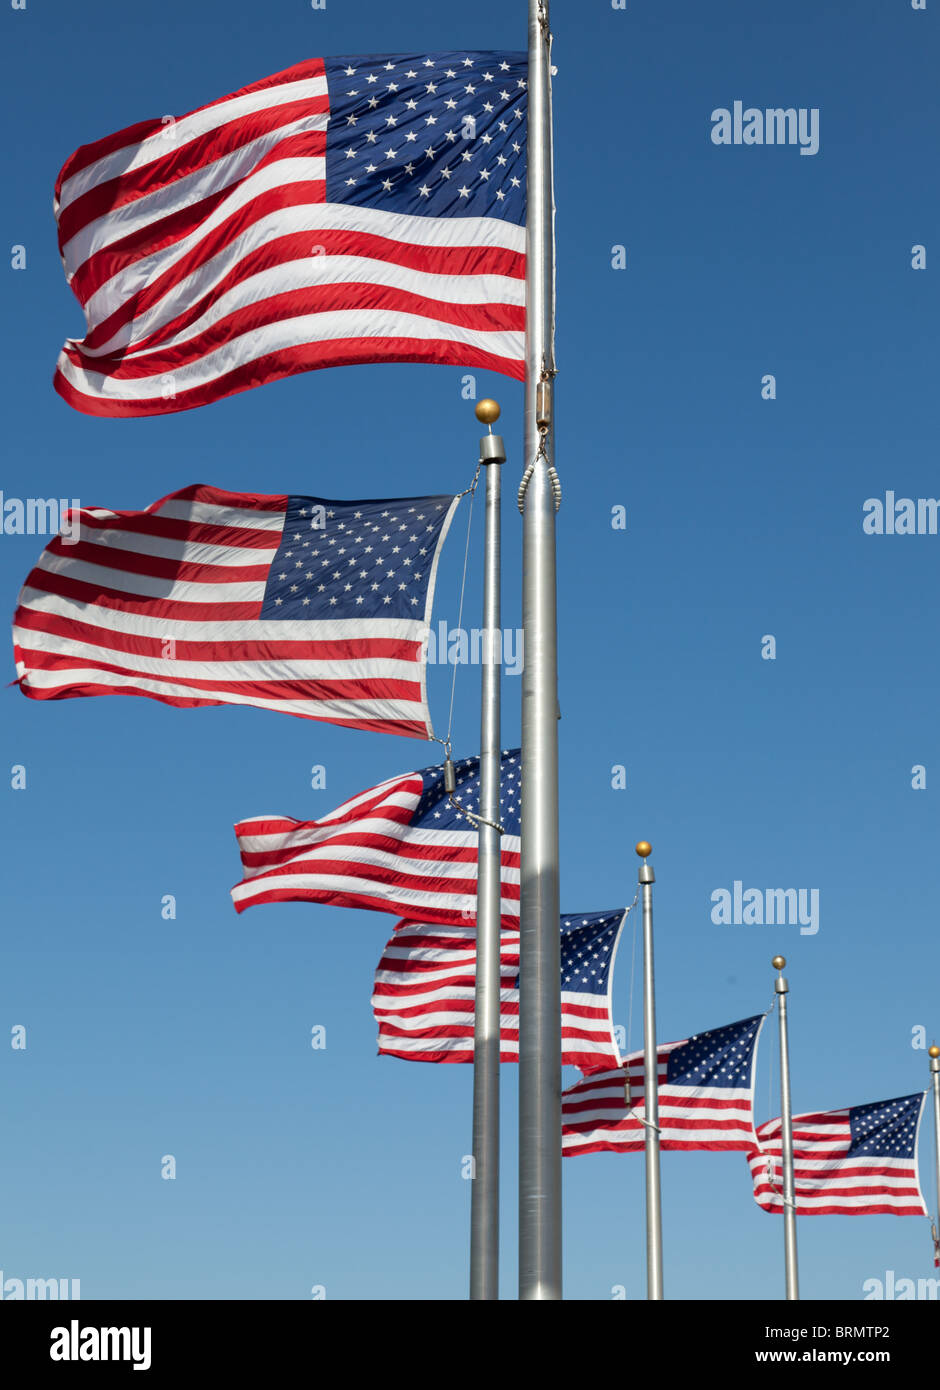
(770, 125)
(894, 1290)
(900, 516)
(39, 1289)
(41, 516)
(478, 646)
(757, 907)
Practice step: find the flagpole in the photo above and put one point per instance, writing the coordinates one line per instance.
(484, 1193)
(934, 1054)
(786, 1136)
(654, 1211)
(539, 965)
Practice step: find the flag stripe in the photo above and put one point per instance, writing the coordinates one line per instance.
(212, 253)
(424, 1001)
(167, 603)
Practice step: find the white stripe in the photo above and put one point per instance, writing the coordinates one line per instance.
(220, 514)
(186, 129)
(316, 709)
(149, 586)
(280, 669)
(226, 171)
(433, 870)
(313, 272)
(180, 551)
(307, 835)
(406, 228)
(221, 630)
(416, 899)
(246, 347)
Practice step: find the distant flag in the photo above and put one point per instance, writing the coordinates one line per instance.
(706, 1096)
(401, 847)
(856, 1162)
(365, 209)
(424, 992)
(297, 604)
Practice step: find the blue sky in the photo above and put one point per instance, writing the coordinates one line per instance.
(191, 1037)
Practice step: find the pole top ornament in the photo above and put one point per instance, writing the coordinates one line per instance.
(644, 849)
(779, 962)
(487, 411)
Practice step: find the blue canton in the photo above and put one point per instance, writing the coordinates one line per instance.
(354, 559)
(886, 1129)
(438, 135)
(721, 1057)
(435, 812)
(588, 940)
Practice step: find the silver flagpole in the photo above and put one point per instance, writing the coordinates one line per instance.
(786, 1135)
(934, 1053)
(654, 1209)
(484, 1198)
(539, 965)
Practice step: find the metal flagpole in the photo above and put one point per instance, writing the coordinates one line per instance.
(934, 1054)
(484, 1198)
(786, 1135)
(539, 965)
(654, 1210)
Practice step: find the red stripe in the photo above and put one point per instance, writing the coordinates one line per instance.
(364, 690)
(186, 532)
(298, 858)
(223, 650)
(433, 260)
(340, 898)
(157, 566)
(404, 728)
(188, 159)
(132, 135)
(301, 303)
(306, 357)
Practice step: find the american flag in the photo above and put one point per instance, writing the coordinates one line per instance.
(856, 1162)
(424, 992)
(706, 1096)
(400, 847)
(298, 604)
(364, 209)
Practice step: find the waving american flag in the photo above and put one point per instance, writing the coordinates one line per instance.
(297, 604)
(363, 209)
(425, 985)
(706, 1096)
(856, 1162)
(402, 846)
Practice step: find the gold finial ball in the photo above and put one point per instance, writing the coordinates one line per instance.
(644, 849)
(779, 962)
(487, 412)
(933, 1051)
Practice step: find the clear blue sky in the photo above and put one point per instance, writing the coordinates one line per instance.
(191, 1037)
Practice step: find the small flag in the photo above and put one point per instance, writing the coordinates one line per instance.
(367, 209)
(706, 1096)
(296, 604)
(401, 847)
(424, 992)
(856, 1162)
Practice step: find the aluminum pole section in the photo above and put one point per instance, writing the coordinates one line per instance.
(484, 1197)
(934, 1053)
(539, 967)
(786, 1136)
(654, 1207)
